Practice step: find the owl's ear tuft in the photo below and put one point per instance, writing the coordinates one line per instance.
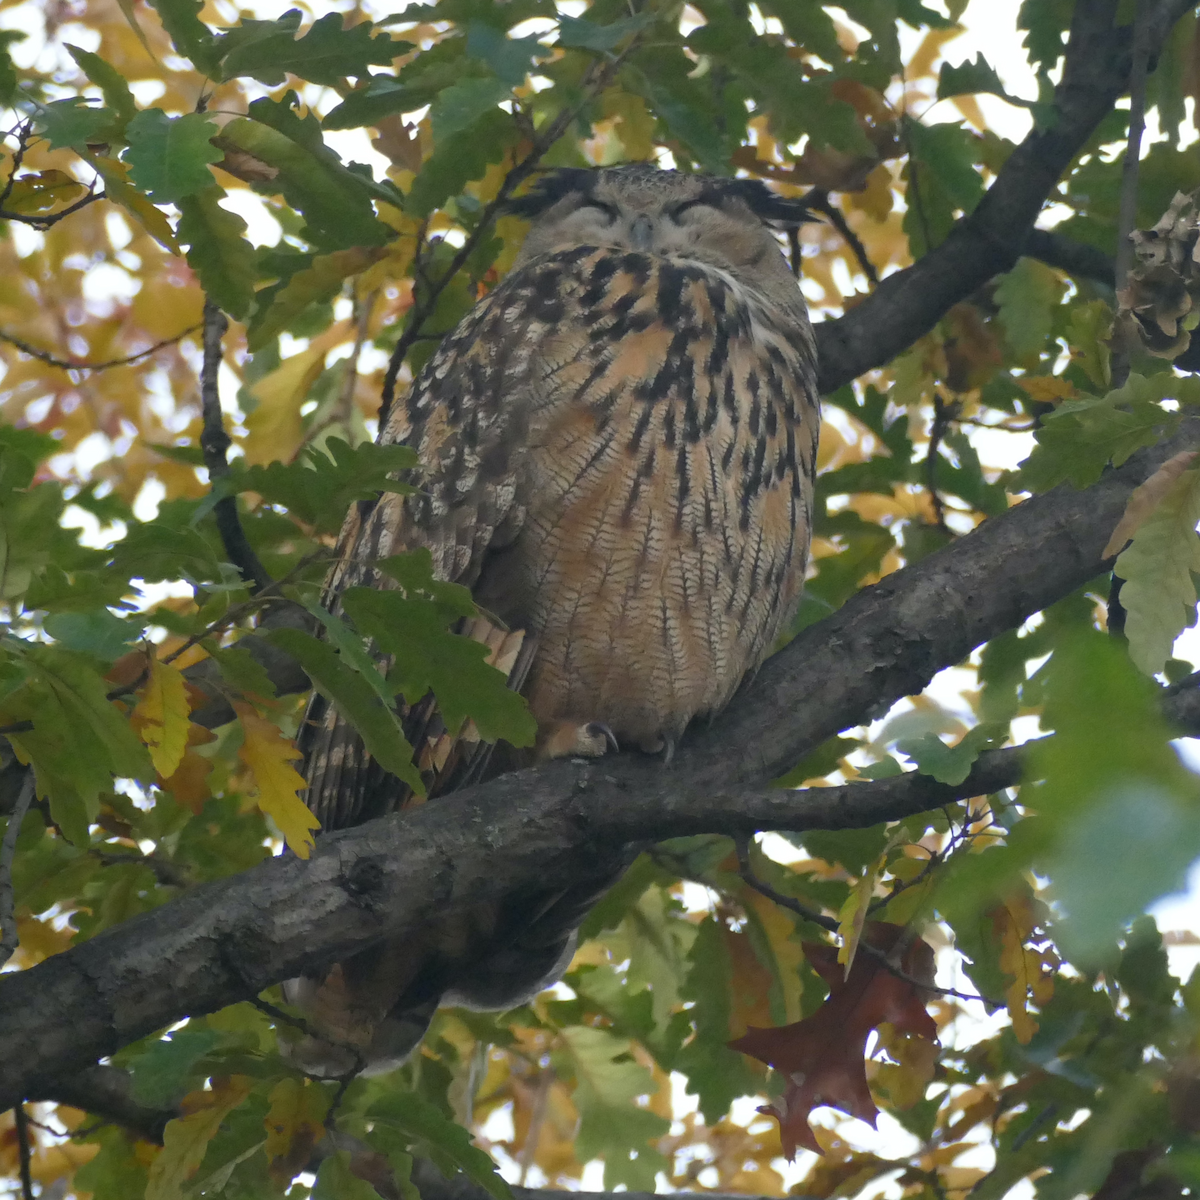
(554, 186)
(769, 206)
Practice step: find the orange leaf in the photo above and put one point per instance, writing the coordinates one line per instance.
(268, 754)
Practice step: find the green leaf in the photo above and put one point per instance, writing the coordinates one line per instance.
(336, 1181)
(98, 632)
(1079, 439)
(715, 1074)
(448, 1144)
(356, 699)
(611, 1125)
(169, 157)
(460, 106)
(430, 658)
(319, 486)
(335, 202)
(109, 80)
(326, 54)
(951, 764)
(509, 58)
(582, 34)
(73, 123)
(317, 283)
(1159, 594)
(8, 70)
(459, 159)
(217, 251)
(1028, 297)
(163, 1072)
(189, 35)
(972, 77)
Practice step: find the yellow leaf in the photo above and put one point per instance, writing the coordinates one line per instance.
(1014, 921)
(41, 192)
(1047, 389)
(275, 428)
(185, 1139)
(117, 188)
(853, 916)
(268, 754)
(294, 1122)
(162, 715)
(778, 930)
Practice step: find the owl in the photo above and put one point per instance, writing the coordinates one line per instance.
(617, 450)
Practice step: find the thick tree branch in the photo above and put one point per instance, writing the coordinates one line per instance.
(227, 940)
(908, 304)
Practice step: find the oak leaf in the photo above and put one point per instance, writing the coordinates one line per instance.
(161, 717)
(268, 754)
(823, 1057)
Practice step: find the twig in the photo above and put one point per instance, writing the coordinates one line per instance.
(8, 850)
(214, 442)
(164, 871)
(1125, 223)
(746, 872)
(23, 131)
(22, 1122)
(520, 172)
(537, 1118)
(818, 200)
(942, 416)
(66, 365)
(52, 219)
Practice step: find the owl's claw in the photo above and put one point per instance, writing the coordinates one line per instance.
(566, 739)
(597, 729)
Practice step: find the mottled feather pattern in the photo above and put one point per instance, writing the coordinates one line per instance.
(617, 451)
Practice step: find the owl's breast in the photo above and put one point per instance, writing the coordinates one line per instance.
(667, 490)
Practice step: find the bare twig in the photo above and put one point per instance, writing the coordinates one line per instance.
(165, 871)
(943, 414)
(214, 442)
(8, 850)
(24, 131)
(883, 957)
(1133, 154)
(52, 219)
(23, 1155)
(595, 82)
(1125, 223)
(818, 200)
(66, 364)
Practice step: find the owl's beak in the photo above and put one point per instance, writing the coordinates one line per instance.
(641, 232)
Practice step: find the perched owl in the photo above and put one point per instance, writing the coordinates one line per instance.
(617, 446)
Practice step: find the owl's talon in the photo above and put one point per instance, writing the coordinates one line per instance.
(599, 729)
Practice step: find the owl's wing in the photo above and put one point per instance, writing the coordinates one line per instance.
(466, 416)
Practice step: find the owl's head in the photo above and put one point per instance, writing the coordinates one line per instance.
(726, 223)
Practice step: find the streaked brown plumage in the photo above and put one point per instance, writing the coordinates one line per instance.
(618, 446)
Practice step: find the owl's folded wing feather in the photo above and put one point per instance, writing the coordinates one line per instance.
(466, 417)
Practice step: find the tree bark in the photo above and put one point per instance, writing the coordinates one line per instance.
(544, 828)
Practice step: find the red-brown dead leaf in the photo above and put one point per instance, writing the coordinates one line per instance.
(823, 1057)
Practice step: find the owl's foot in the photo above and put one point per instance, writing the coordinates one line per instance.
(568, 739)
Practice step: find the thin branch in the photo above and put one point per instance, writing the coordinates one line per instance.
(818, 200)
(165, 871)
(65, 364)
(597, 80)
(22, 1122)
(942, 416)
(883, 957)
(8, 850)
(1125, 223)
(215, 442)
(24, 132)
(52, 219)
